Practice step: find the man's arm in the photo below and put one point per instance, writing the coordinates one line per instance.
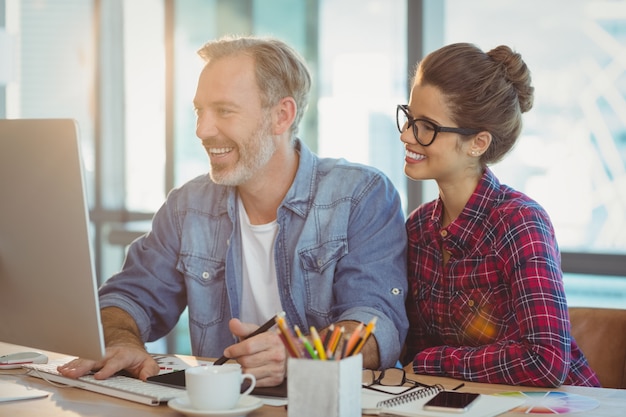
(120, 328)
(371, 279)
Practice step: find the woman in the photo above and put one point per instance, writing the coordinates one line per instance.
(486, 300)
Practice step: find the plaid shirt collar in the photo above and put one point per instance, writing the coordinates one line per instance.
(468, 229)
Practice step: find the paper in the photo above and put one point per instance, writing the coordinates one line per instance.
(10, 391)
(485, 406)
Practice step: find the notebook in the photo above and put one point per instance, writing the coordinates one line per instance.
(411, 404)
(48, 297)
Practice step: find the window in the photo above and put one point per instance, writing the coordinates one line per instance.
(54, 66)
(571, 156)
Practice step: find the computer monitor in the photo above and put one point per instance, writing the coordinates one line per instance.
(48, 288)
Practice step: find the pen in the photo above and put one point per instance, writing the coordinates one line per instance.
(265, 327)
(317, 342)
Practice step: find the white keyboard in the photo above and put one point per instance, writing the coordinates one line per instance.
(117, 386)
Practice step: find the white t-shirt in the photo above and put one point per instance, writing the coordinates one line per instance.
(260, 300)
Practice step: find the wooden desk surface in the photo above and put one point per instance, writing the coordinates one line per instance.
(66, 402)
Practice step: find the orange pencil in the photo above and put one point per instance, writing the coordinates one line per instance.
(354, 338)
(368, 331)
(334, 341)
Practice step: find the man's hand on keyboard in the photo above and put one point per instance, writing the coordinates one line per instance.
(134, 360)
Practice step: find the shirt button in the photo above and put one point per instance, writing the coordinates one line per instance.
(395, 291)
(320, 262)
(443, 233)
(470, 303)
(205, 275)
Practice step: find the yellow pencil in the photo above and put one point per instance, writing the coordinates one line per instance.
(317, 342)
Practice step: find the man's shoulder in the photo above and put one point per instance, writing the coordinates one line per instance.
(199, 191)
(336, 169)
(340, 169)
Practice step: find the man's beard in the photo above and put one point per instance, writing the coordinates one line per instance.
(253, 155)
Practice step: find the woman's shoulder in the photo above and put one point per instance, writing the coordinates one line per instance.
(512, 201)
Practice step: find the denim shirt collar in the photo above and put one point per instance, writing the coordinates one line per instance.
(300, 195)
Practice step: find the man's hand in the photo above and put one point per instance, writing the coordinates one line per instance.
(263, 355)
(125, 350)
(134, 360)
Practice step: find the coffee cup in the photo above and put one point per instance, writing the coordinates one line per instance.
(216, 387)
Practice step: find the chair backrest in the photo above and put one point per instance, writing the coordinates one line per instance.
(601, 335)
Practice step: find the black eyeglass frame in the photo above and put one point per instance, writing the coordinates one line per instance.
(378, 381)
(404, 108)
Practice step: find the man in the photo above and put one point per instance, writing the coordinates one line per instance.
(272, 227)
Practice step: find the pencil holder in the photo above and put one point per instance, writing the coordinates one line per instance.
(324, 388)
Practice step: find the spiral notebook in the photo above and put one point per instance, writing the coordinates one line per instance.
(411, 404)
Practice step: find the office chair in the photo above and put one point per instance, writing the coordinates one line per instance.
(601, 335)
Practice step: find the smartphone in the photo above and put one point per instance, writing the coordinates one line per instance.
(451, 401)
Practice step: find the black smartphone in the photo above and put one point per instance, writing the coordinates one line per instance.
(451, 401)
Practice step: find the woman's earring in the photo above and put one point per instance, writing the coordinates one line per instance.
(474, 153)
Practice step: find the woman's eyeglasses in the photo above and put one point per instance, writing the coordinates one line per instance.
(427, 129)
(391, 377)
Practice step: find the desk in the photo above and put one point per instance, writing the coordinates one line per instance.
(72, 402)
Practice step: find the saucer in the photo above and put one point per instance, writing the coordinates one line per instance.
(246, 404)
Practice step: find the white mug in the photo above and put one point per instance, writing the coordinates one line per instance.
(216, 387)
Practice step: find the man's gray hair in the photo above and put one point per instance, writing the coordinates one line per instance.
(280, 71)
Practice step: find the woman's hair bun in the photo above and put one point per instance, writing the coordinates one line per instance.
(517, 73)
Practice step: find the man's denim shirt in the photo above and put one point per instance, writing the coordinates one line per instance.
(340, 254)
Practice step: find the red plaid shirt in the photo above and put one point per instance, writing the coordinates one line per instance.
(496, 312)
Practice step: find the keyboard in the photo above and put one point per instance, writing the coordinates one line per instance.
(123, 387)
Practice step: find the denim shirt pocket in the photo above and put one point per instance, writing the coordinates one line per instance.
(206, 289)
(319, 263)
